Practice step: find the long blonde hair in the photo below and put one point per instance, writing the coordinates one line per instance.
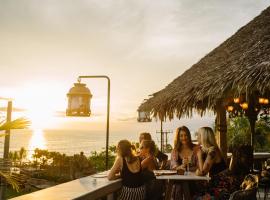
(207, 138)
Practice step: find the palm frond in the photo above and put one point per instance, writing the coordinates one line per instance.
(10, 180)
(3, 134)
(19, 123)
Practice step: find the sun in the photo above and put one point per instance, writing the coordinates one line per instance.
(41, 101)
(40, 117)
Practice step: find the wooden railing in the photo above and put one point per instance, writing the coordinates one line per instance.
(90, 187)
(87, 188)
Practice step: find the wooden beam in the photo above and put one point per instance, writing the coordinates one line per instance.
(221, 128)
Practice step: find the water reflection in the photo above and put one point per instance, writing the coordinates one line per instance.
(37, 140)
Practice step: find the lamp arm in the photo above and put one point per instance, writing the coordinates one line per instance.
(108, 112)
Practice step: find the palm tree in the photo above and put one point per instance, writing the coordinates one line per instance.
(19, 123)
(22, 154)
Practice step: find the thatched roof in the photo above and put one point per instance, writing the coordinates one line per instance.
(240, 65)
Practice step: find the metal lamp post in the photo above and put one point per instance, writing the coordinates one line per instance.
(79, 99)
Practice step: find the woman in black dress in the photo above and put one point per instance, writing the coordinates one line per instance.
(128, 167)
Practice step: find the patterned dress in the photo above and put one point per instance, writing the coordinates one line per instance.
(176, 160)
(224, 184)
(219, 179)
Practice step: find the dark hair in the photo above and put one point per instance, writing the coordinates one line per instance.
(146, 136)
(177, 142)
(125, 150)
(242, 160)
(149, 144)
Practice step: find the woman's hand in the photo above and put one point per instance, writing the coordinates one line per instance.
(198, 172)
(181, 167)
(116, 168)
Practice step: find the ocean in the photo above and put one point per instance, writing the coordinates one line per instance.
(74, 141)
(64, 141)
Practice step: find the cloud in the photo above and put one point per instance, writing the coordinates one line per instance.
(126, 119)
(14, 109)
(142, 45)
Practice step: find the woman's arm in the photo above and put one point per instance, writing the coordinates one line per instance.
(116, 168)
(194, 159)
(174, 158)
(200, 159)
(145, 163)
(149, 164)
(174, 161)
(210, 159)
(163, 158)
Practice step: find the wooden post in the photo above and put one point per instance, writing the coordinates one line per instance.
(252, 116)
(221, 124)
(166, 139)
(161, 135)
(252, 122)
(7, 137)
(6, 152)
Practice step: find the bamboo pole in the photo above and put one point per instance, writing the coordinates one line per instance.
(6, 151)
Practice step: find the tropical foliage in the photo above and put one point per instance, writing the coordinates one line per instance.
(98, 158)
(19, 123)
(239, 133)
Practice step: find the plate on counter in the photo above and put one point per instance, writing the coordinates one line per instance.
(100, 175)
(164, 172)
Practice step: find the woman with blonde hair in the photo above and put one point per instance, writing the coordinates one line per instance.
(209, 156)
(128, 167)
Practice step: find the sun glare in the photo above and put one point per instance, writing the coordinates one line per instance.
(37, 141)
(41, 103)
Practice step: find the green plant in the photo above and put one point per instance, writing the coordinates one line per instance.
(238, 133)
(19, 123)
(98, 158)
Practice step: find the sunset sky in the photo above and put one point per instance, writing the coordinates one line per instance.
(141, 45)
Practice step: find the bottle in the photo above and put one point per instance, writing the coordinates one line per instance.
(187, 169)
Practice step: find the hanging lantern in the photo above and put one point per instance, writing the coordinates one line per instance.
(230, 108)
(144, 116)
(261, 100)
(244, 106)
(79, 100)
(236, 100)
(266, 101)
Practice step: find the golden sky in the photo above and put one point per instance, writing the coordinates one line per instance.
(140, 45)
